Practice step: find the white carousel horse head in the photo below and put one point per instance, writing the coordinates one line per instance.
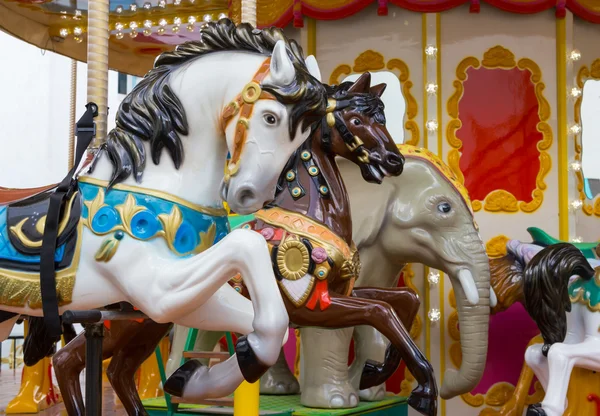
(240, 91)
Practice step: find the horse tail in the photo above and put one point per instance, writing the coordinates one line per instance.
(38, 343)
(545, 284)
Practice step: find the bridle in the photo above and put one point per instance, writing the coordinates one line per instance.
(243, 104)
(333, 118)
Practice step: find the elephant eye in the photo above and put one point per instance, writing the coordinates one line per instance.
(444, 208)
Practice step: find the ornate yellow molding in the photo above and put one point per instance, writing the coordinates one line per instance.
(371, 60)
(583, 74)
(496, 247)
(501, 58)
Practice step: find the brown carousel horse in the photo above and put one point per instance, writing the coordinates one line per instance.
(309, 231)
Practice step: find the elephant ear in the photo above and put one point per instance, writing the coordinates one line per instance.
(370, 203)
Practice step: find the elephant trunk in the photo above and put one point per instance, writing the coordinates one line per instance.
(472, 293)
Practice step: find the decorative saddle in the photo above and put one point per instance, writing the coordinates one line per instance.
(22, 221)
(304, 253)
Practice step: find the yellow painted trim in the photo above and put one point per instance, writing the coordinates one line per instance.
(563, 157)
(438, 41)
(246, 399)
(216, 212)
(311, 37)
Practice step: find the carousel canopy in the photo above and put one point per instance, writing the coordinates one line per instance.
(142, 29)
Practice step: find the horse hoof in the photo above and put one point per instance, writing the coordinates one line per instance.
(423, 402)
(370, 375)
(250, 366)
(178, 380)
(535, 410)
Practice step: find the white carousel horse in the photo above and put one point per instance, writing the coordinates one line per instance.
(155, 234)
(562, 279)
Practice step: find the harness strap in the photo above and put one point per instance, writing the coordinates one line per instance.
(86, 131)
(244, 104)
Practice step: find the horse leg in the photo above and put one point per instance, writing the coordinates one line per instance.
(194, 381)
(176, 291)
(347, 312)
(179, 339)
(538, 363)
(68, 364)
(405, 303)
(128, 355)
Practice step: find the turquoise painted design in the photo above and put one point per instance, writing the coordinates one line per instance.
(146, 217)
(586, 292)
(587, 189)
(9, 253)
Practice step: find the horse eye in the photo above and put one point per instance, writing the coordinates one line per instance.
(355, 121)
(444, 207)
(270, 119)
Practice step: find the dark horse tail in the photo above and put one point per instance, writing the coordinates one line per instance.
(545, 286)
(38, 343)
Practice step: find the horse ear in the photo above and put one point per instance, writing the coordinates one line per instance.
(313, 67)
(362, 84)
(282, 68)
(378, 89)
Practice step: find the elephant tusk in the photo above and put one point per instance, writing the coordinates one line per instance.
(468, 284)
(493, 298)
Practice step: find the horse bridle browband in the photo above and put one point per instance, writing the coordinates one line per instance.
(244, 104)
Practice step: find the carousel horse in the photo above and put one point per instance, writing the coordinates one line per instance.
(155, 235)
(325, 265)
(431, 223)
(560, 290)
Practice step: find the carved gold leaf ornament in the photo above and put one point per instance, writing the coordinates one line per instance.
(371, 60)
(127, 210)
(496, 247)
(501, 200)
(583, 74)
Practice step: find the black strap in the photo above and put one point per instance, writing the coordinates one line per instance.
(86, 131)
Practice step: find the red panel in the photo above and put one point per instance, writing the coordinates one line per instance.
(499, 115)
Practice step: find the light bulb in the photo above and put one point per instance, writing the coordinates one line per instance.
(147, 32)
(133, 33)
(192, 20)
(577, 203)
(162, 22)
(207, 17)
(119, 26)
(64, 33)
(433, 278)
(223, 16)
(190, 28)
(431, 88)
(177, 21)
(575, 55)
(119, 35)
(576, 240)
(78, 39)
(175, 29)
(77, 15)
(430, 50)
(133, 7)
(575, 92)
(119, 9)
(161, 31)
(162, 3)
(432, 125)
(77, 31)
(575, 129)
(576, 166)
(147, 6)
(148, 24)
(434, 315)
(177, 2)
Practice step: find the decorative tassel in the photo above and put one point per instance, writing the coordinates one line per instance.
(382, 10)
(320, 295)
(475, 6)
(109, 247)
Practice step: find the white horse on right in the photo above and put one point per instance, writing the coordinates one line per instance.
(561, 289)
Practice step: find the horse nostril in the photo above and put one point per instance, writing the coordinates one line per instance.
(246, 197)
(395, 160)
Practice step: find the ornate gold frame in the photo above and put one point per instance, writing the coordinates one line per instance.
(583, 73)
(501, 200)
(371, 60)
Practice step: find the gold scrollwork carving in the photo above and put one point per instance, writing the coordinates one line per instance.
(496, 247)
(501, 200)
(371, 60)
(583, 74)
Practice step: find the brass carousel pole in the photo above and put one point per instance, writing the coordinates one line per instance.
(72, 113)
(247, 396)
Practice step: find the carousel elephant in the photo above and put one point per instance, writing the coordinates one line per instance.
(422, 216)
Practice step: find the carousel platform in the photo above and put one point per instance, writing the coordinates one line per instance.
(287, 406)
